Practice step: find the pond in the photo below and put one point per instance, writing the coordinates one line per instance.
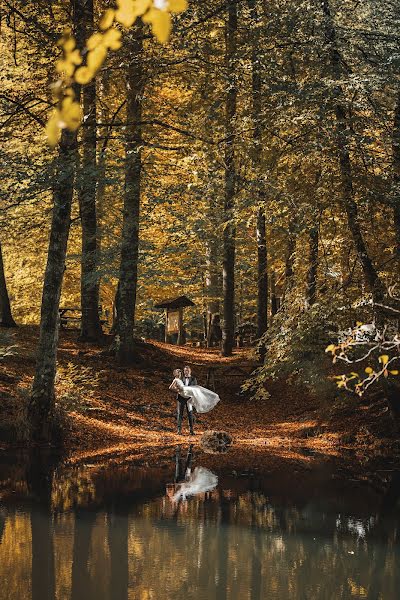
(192, 526)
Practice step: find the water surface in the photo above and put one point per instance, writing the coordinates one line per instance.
(118, 532)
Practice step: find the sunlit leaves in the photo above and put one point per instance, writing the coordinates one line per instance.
(74, 69)
(67, 115)
(160, 22)
(360, 347)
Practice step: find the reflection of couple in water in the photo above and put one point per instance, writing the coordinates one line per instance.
(188, 482)
(190, 395)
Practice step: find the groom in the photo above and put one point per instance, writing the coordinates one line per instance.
(182, 402)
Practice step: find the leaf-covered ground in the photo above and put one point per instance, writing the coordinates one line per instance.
(113, 411)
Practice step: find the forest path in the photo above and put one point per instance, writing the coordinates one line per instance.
(114, 411)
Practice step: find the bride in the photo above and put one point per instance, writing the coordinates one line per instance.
(201, 398)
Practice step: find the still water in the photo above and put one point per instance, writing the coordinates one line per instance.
(194, 527)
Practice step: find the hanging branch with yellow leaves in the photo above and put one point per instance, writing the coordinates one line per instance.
(366, 344)
(81, 66)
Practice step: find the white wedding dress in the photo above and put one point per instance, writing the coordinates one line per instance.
(201, 398)
(201, 480)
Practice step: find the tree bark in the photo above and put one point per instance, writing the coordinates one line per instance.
(274, 298)
(229, 234)
(212, 292)
(131, 211)
(371, 277)
(91, 330)
(396, 174)
(41, 405)
(5, 306)
(256, 95)
(289, 259)
(311, 289)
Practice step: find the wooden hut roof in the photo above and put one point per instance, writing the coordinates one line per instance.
(178, 302)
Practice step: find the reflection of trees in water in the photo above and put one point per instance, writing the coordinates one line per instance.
(227, 543)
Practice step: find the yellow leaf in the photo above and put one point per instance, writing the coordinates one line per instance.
(160, 23)
(394, 372)
(53, 128)
(369, 370)
(384, 359)
(107, 19)
(140, 6)
(125, 14)
(69, 45)
(95, 40)
(96, 58)
(330, 348)
(71, 114)
(75, 57)
(83, 75)
(63, 66)
(177, 6)
(112, 39)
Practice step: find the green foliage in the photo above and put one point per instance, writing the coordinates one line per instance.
(294, 348)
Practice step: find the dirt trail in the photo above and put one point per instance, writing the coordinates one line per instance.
(132, 409)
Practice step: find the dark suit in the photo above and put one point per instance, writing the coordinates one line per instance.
(183, 468)
(182, 403)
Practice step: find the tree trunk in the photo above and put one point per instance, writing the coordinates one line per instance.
(130, 226)
(228, 260)
(256, 94)
(90, 324)
(396, 174)
(262, 263)
(41, 405)
(274, 298)
(311, 289)
(5, 306)
(342, 133)
(212, 292)
(289, 259)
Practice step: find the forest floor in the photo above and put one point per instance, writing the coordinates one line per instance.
(114, 411)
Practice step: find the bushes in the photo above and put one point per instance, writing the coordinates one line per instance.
(294, 348)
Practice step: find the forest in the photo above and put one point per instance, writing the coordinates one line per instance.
(199, 299)
(244, 154)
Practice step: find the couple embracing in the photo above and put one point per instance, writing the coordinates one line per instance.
(190, 395)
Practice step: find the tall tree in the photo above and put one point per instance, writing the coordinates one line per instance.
(229, 243)
(372, 279)
(41, 405)
(396, 173)
(131, 211)
(90, 324)
(256, 99)
(5, 306)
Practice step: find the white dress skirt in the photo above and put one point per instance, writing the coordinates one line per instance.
(201, 480)
(201, 398)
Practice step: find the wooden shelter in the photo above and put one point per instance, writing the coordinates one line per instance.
(174, 316)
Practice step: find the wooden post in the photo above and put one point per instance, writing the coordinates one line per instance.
(180, 327)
